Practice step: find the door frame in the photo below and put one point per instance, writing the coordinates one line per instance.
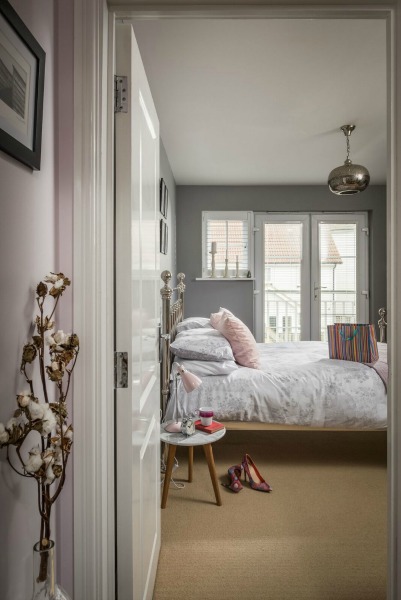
(93, 476)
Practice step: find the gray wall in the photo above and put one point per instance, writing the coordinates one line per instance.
(204, 297)
(169, 261)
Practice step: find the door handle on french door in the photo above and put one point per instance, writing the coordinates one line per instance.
(317, 288)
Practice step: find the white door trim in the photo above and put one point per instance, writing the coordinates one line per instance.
(93, 306)
(93, 409)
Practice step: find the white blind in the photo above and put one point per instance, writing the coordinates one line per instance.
(230, 234)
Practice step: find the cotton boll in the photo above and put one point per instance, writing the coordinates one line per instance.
(34, 461)
(11, 424)
(23, 399)
(49, 421)
(51, 278)
(50, 476)
(4, 437)
(36, 410)
(50, 340)
(68, 432)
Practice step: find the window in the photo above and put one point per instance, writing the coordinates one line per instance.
(230, 234)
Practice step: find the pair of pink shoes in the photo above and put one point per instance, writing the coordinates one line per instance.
(256, 481)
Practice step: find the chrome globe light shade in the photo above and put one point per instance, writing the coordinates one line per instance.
(348, 178)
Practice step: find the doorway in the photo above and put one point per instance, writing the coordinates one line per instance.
(92, 273)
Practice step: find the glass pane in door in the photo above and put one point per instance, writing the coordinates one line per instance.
(338, 269)
(282, 282)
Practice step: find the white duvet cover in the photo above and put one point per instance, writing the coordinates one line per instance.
(297, 385)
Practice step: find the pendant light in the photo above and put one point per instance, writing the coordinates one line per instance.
(348, 178)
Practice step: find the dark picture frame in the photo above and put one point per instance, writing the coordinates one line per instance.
(163, 198)
(163, 237)
(22, 77)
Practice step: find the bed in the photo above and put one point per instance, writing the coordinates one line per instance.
(297, 385)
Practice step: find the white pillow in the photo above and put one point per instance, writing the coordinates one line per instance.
(197, 332)
(202, 347)
(193, 323)
(205, 368)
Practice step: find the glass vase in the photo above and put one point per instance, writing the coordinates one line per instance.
(44, 585)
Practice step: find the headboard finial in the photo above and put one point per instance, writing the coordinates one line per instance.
(181, 285)
(166, 291)
(382, 323)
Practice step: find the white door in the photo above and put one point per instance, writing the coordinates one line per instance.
(137, 282)
(311, 271)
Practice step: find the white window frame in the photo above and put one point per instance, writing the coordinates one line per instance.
(228, 215)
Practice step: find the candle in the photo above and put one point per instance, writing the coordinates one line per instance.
(214, 246)
(236, 258)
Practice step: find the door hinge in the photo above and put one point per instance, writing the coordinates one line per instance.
(365, 230)
(120, 370)
(120, 94)
(255, 229)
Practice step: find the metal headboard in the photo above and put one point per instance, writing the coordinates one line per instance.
(172, 314)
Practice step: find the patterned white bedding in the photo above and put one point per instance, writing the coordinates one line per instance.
(297, 385)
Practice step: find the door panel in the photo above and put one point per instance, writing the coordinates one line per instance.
(339, 271)
(137, 318)
(282, 269)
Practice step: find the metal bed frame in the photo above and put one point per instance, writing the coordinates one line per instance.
(172, 313)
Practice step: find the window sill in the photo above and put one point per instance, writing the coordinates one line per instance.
(224, 278)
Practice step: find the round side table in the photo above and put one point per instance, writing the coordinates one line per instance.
(200, 438)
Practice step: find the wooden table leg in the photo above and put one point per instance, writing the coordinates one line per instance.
(190, 463)
(207, 448)
(167, 476)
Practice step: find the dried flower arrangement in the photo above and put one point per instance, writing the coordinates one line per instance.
(46, 462)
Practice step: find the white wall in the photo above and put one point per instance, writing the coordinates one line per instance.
(29, 247)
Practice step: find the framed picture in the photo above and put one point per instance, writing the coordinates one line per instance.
(22, 76)
(163, 237)
(163, 198)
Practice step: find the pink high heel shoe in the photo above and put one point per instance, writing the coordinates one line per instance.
(234, 474)
(256, 481)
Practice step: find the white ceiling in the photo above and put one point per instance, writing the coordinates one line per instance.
(260, 102)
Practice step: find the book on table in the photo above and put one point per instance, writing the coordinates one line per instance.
(215, 426)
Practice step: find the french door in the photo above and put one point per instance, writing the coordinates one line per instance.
(311, 271)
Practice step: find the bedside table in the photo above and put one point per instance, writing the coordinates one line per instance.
(200, 438)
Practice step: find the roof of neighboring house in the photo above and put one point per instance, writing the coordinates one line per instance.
(283, 245)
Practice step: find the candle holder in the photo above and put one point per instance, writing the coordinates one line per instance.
(237, 268)
(213, 273)
(226, 269)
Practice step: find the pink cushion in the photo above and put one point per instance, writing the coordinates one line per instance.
(216, 317)
(242, 342)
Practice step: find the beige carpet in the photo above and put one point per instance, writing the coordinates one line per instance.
(320, 535)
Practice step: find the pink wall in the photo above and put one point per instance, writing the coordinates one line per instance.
(35, 237)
